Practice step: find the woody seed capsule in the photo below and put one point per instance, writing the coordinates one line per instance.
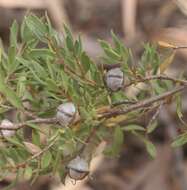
(78, 168)
(114, 79)
(66, 113)
(7, 124)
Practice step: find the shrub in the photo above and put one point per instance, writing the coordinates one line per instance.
(62, 104)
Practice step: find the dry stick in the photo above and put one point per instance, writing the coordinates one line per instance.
(154, 117)
(141, 104)
(156, 77)
(123, 102)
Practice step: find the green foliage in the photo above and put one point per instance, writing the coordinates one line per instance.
(44, 70)
(180, 140)
(118, 138)
(151, 148)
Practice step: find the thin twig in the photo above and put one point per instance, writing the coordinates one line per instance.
(26, 123)
(123, 102)
(154, 117)
(155, 77)
(141, 104)
(23, 164)
(72, 72)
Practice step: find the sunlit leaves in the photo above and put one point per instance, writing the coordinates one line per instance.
(149, 60)
(10, 94)
(109, 51)
(36, 26)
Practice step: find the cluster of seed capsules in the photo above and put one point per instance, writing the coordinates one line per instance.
(67, 114)
(78, 168)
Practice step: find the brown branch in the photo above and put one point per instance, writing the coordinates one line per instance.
(156, 77)
(154, 117)
(26, 123)
(141, 104)
(123, 102)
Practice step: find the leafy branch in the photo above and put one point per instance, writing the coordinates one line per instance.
(142, 104)
(49, 84)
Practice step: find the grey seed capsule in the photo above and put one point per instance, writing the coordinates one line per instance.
(78, 168)
(7, 124)
(114, 79)
(66, 113)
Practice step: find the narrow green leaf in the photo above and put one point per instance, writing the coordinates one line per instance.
(13, 34)
(14, 141)
(28, 173)
(69, 43)
(56, 161)
(21, 86)
(118, 44)
(11, 55)
(104, 44)
(46, 159)
(152, 127)
(26, 34)
(180, 140)
(36, 137)
(133, 127)
(41, 53)
(36, 26)
(118, 139)
(10, 95)
(65, 80)
(85, 60)
(109, 51)
(118, 136)
(68, 32)
(78, 47)
(151, 149)
(112, 54)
